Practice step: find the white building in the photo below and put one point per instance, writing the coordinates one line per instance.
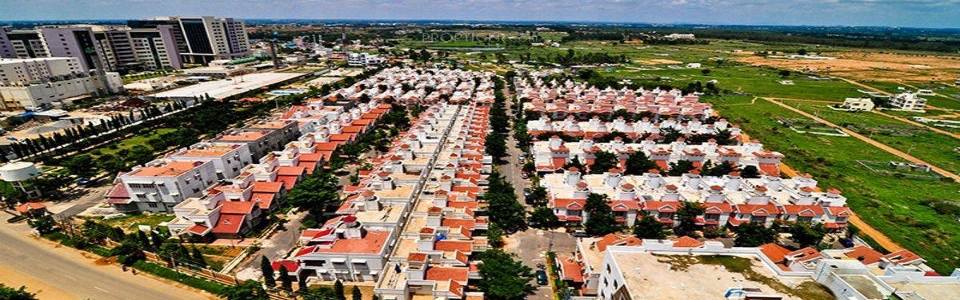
(38, 82)
(907, 101)
(364, 59)
(857, 104)
(228, 159)
(160, 185)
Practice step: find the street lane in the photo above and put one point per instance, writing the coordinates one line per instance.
(62, 269)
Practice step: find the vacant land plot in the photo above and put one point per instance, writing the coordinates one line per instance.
(872, 66)
(919, 142)
(892, 205)
(129, 223)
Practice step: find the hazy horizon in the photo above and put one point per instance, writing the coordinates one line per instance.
(882, 13)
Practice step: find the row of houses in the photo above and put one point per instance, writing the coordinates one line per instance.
(607, 267)
(410, 225)
(595, 127)
(578, 99)
(224, 186)
(411, 87)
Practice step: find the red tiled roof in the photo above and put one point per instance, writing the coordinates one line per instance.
(869, 255)
(458, 274)
(661, 206)
(840, 211)
(266, 199)
(571, 269)
(902, 257)
(622, 205)
(450, 246)
(574, 204)
(614, 239)
(290, 265)
(229, 224)
(687, 242)
(803, 210)
(770, 169)
(26, 207)
(371, 243)
(291, 171)
(267, 187)
(198, 229)
(465, 223)
(237, 207)
(119, 191)
(758, 210)
(288, 181)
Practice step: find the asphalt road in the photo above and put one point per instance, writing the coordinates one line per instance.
(532, 244)
(67, 270)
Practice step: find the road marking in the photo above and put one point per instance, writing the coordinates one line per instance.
(102, 290)
(71, 277)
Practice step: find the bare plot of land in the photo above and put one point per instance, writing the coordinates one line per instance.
(872, 66)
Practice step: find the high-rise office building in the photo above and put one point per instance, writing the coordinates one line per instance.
(203, 39)
(72, 41)
(137, 49)
(21, 44)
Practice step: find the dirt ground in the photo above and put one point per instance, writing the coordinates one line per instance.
(872, 66)
(659, 61)
(14, 279)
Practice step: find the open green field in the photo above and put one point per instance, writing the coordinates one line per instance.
(919, 142)
(889, 204)
(128, 143)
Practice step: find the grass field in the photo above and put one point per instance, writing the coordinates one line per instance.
(919, 142)
(892, 205)
(128, 143)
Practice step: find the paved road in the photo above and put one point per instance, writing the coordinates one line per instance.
(93, 197)
(275, 247)
(67, 271)
(532, 244)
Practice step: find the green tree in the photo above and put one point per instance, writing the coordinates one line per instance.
(140, 154)
(680, 167)
(285, 282)
(603, 161)
(784, 73)
(503, 276)
(538, 196)
(687, 214)
(495, 236)
(43, 224)
(638, 163)
(802, 51)
(601, 220)
(504, 208)
(110, 163)
(752, 234)
(543, 217)
(496, 145)
(267, 269)
(247, 290)
(315, 193)
(339, 291)
(198, 257)
(705, 72)
(81, 165)
(750, 172)
(648, 227)
(805, 234)
(9, 293)
(356, 294)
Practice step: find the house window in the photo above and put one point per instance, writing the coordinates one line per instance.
(665, 215)
(712, 217)
(805, 219)
(151, 204)
(576, 213)
(758, 219)
(841, 219)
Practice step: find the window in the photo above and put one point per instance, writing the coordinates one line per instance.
(152, 204)
(805, 219)
(758, 219)
(841, 219)
(665, 215)
(712, 217)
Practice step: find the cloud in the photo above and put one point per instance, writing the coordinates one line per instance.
(920, 13)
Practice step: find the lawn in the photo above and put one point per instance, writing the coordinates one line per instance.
(892, 205)
(129, 222)
(128, 143)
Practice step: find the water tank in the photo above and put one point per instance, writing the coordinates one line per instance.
(18, 171)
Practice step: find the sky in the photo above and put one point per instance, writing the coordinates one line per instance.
(899, 13)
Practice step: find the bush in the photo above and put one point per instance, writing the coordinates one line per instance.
(167, 273)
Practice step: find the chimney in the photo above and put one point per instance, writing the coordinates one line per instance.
(572, 176)
(613, 178)
(582, 190)
(672, 193)
(626, 192)
(731, 182)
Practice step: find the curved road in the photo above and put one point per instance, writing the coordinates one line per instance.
(56, 271)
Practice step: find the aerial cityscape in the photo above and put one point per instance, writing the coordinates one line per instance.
(497, 149)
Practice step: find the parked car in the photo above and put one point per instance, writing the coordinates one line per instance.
(524, 174)
(541, 277)
(580, 233)
(846, 242)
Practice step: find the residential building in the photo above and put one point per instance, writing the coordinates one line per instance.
(261, 137)
(907, 101)
(214, 216)
(228, 159)
(849, 279)
(364, 60)
(857, 104)
(73, 41)
(160, 185)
